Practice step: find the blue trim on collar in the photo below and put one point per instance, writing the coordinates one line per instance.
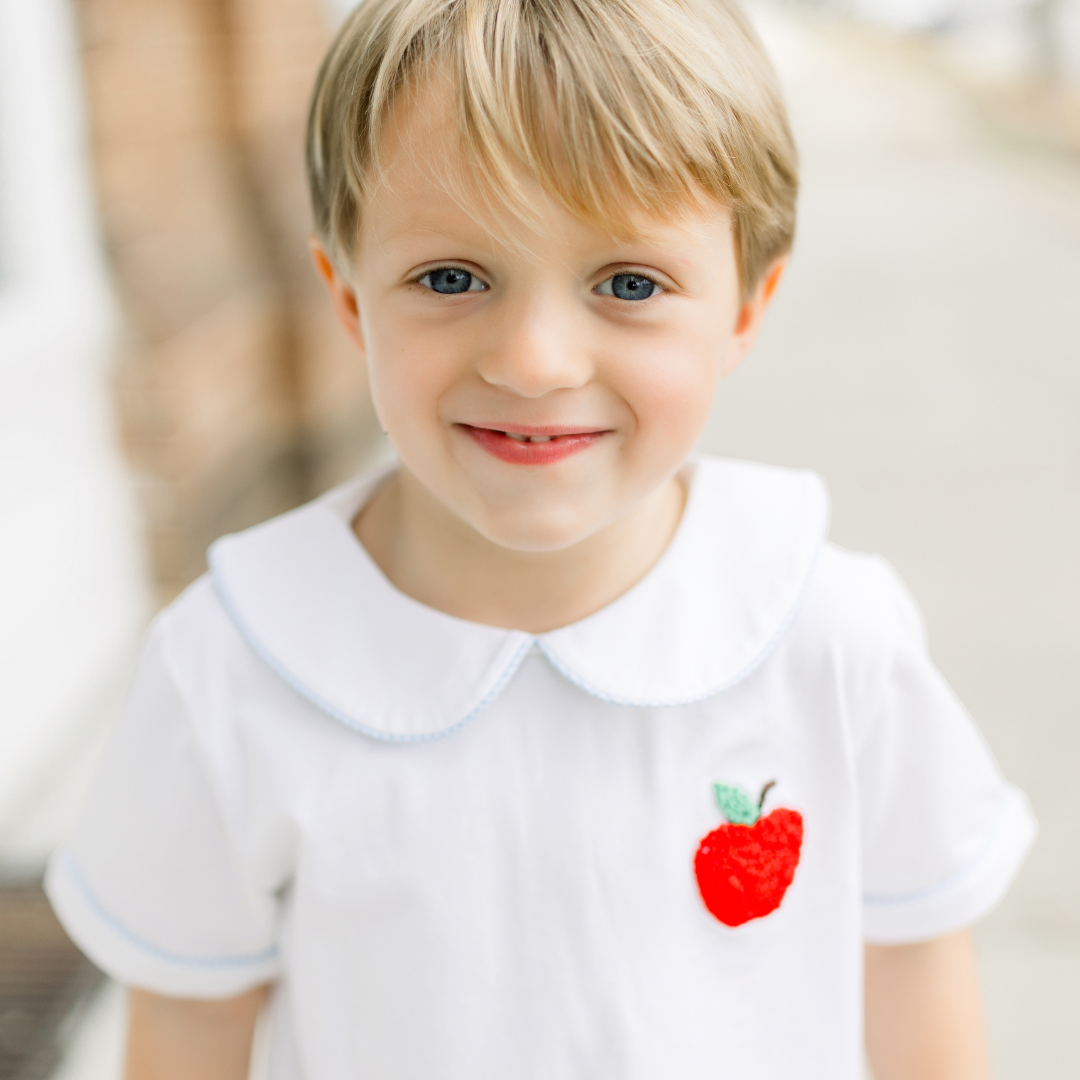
(333, 711)
(693, 699)
(308, 601)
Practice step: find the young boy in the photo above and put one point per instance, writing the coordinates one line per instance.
(552, 751)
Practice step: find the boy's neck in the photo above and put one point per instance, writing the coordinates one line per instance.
(430, 554)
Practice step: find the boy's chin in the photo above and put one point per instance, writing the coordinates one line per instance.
(537, 532)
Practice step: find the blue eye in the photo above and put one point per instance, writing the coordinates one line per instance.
(629, 287)
(450, 280)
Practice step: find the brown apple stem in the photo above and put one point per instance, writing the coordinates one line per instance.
(764, 792)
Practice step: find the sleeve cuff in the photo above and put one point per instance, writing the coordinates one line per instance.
(963, 898)
(135, 962)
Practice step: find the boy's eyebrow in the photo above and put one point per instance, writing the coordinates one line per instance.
(420, 226)
(469, 235)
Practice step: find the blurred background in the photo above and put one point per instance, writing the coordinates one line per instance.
(169, 371)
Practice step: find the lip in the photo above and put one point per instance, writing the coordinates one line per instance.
(563, 442)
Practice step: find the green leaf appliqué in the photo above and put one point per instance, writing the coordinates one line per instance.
(736, 805)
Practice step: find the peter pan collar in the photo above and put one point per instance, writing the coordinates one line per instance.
(307, 598)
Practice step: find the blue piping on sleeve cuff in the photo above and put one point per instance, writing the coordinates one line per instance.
(133, 961)
(963, 898)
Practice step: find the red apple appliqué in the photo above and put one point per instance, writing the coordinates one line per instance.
(744, 868)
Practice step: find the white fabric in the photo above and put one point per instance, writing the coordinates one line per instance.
(308, 600)
(468, 853)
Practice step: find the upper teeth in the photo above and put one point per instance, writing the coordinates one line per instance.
(528, 438)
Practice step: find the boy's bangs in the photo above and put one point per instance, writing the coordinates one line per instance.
(620, 109)
(586, 114)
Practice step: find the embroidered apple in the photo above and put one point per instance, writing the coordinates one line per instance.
(744, 868)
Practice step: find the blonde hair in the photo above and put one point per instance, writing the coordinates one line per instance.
(617, 108)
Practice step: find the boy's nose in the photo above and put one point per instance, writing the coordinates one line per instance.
(532, 350)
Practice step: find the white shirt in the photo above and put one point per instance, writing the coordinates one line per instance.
(468, 853)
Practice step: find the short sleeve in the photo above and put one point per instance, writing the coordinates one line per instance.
(156, 885)
(943, 832)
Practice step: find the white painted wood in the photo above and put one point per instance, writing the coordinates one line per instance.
(95, 1047)
(73, 591)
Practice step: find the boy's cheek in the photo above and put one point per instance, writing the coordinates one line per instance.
(672, 387)
(409, 375)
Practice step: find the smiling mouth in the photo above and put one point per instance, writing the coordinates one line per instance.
(531, 444)
(536, 434)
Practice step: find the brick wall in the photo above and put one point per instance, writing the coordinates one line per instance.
(239, 396)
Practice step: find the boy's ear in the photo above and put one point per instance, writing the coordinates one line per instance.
(342, 294)
(752, 314)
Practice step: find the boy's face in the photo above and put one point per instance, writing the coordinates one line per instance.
(539, 382)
